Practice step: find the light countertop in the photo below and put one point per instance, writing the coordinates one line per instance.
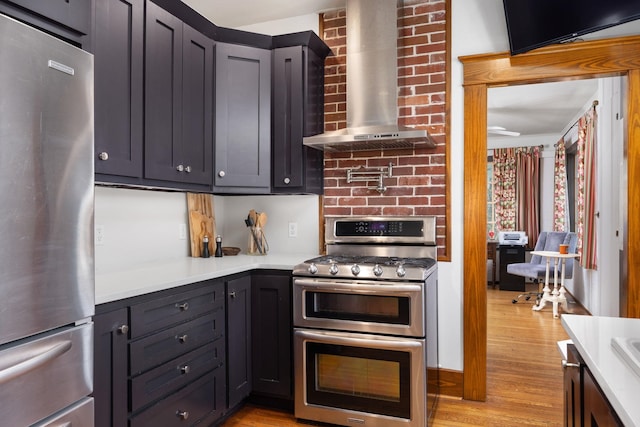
(166, 274)
(592, 336)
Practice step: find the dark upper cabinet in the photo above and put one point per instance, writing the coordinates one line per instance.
(178, 100)
(69, 20)
(297, 111)
(271, 334)
(118, 87)
(110, 368)
(243, 119)
(238, 340)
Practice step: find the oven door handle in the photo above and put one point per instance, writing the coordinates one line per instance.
(369, 341)
(358, 287)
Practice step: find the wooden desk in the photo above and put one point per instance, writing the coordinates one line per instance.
(491, 255)
(557, 296)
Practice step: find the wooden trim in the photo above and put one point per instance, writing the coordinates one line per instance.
(447, 136)
(450, 382)
(475, 254)
(592, 59)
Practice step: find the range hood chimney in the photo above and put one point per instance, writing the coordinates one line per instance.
(372, 84)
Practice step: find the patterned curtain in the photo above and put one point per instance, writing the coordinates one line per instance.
(561, 203)
(504, 188)
(528, 191)
(517, 190)
(586, 189)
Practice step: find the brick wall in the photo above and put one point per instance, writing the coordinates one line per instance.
(418, 183)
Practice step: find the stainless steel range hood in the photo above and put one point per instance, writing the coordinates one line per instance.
(372, 84)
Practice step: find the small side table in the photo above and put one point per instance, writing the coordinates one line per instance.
(557, 296)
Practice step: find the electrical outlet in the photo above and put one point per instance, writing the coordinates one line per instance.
(182, 231)
(293, 229)
(99, 235)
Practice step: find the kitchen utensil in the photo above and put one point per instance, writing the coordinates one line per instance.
(201, 221)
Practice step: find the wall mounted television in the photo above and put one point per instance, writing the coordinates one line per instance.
(536, 23)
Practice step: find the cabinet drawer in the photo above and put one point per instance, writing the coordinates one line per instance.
(175, 374)
(187, 406)
(167, 311)
(156, 349)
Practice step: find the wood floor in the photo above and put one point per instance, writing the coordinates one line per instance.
(524, 374)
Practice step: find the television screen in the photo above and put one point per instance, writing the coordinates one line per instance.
(535, 23)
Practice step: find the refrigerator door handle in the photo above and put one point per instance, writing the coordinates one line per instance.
(34, 362)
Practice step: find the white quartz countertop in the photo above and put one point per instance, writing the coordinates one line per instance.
(165, 274)
(592, 336)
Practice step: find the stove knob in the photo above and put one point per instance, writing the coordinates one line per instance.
(400, 271)
(355, 269)
(377, 270)
(333, 269)
(313, 269)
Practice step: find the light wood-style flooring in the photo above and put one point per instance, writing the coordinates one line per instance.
(524, 374)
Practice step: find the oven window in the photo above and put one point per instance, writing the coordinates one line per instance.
(359, 378)
(367, 308)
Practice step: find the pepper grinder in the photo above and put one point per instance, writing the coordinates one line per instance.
(218, 246)
(205, 247)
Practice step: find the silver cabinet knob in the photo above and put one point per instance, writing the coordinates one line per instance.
(232, 294)
(103, 156)
(183, 415)
(221, 174)
(182, 338)
(287, 180)
(187, 169)
(185, 369)
(180, 168)
(123, 329)
(183, 307)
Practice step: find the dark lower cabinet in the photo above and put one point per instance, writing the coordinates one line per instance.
(271, 320)
(510, 255)
(585, 404)
(111, 368)
(238, 340)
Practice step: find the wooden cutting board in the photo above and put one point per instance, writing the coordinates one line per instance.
(201, 222)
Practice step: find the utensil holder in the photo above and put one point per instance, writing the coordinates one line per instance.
(257, 244)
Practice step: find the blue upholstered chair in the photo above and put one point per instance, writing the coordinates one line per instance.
(537, 267)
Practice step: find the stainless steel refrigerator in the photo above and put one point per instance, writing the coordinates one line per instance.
(46, 230)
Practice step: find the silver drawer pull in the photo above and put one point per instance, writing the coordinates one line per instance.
(185, 369)
(182, 338)
(566, 364)
(232, 294)
(34, 362)
(180, 168)
(183, 307)
(183, 415)
(123, 329)
(187, 169)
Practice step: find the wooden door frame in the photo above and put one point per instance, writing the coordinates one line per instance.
(579, 60)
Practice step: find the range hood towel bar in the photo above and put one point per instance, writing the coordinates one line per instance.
(363, 175)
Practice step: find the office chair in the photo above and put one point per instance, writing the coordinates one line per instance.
(537, 267)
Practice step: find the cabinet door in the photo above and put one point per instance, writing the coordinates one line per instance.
(288, 111)
(197, 107)
(163, 94)
(238, 340)
(597, 409)
(118, 49)
(243, 119)
(110, 368)
(271, 334)
(573, 388)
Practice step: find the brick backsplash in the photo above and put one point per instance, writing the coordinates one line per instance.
(417, 186)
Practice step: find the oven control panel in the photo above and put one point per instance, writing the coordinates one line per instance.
(379, 228)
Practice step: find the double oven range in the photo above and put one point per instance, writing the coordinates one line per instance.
(365, 324)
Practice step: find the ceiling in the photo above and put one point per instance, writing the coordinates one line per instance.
(536, 111)
(238, 13)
